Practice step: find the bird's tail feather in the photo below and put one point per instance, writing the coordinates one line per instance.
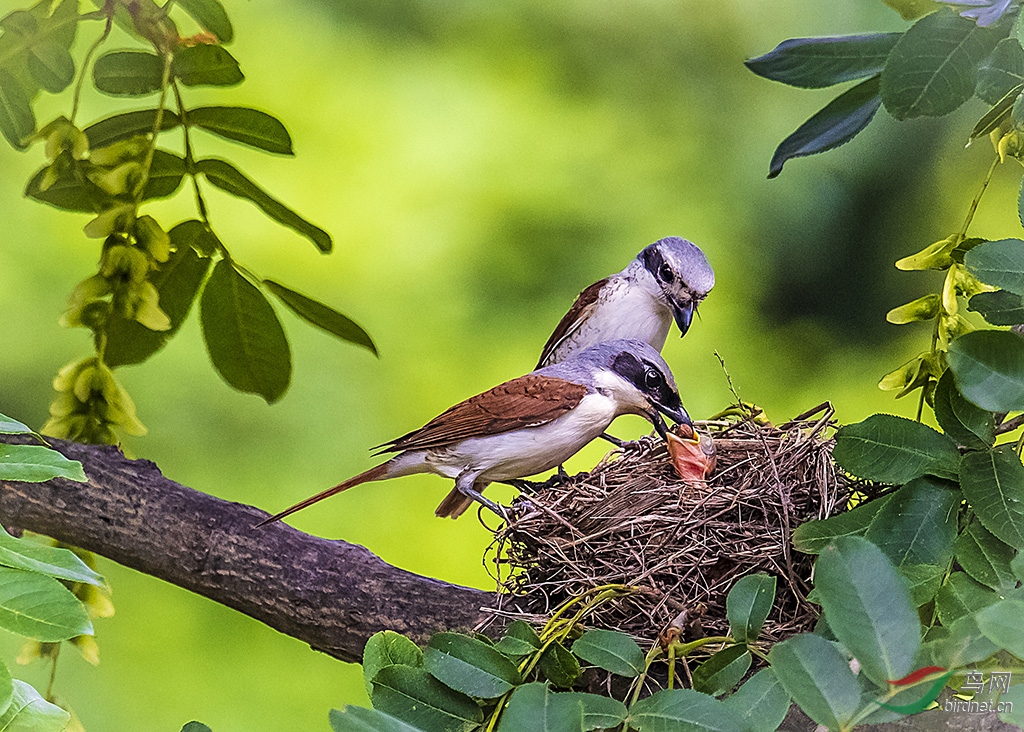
(377, 473)
(453, 505)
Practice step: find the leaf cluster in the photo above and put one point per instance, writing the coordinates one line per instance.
(39, 586)
(929, 70)
(929, 574)
(525, 680)
(149, 276)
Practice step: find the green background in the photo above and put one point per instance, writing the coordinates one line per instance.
(478, 164)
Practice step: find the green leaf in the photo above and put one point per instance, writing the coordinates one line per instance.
(747, 606)
(470, 666)
(6, 689)
(35, 464)
(911, 9)
(71, 191)
(994, 117)
(211, 17)
(970, 425)
(1017, 566)
(1001, 71)
(933, 67)
(1003, 624)
(1012, 706)
(835, 124)
(226, 177)
(244, 338)
(999, 263)
(960, 596)
(999, 307)
(559, 666)
(322, 316)
(988, 367)
(985, 558)
(17, 120)
(49, 560)
(416, 697)
(890, 449)
(165, 175)
(40, 607)
(520, 640)
(683, 710)
(993, 483)
(360, 719)
(51, 65)
(917, 527)
(523, 631)
(177, 281)
(868, 607)
(387, 648)
(818, 678)
(248, 126)
(813, 63)
(29, 712)
(812, 536)
(535, 708)
(600, 712)
(206, 65)
(10, 426)
(129, 124)
(722, 671)
(613, 651)
(964, 645)
(197, 235)
(761, 702)
(128, 73)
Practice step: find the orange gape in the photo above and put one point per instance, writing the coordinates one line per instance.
(693, 454)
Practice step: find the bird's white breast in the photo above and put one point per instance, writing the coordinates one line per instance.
(624, 309)
(529, 450)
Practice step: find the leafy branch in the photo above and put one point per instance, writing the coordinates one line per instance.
(149, 277)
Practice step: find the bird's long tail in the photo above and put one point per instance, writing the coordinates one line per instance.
(377, 473)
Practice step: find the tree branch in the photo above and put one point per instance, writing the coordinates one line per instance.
(330, 594)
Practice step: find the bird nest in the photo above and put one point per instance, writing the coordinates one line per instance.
(632, 521)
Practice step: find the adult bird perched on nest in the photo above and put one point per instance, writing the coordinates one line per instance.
(529, 424)
(667, 280)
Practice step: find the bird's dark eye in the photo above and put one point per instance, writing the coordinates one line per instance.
(652, 379)
(665, 274)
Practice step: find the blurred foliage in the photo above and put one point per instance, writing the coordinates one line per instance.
(478, 166)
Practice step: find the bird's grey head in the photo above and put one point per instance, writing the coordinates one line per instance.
(644, 372)
(683, 275)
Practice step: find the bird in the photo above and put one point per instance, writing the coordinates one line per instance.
(527, 425)
(667, 280)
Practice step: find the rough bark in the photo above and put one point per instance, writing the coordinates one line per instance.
(330, 594)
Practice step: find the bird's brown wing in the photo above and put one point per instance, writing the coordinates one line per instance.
(528, 401)
(579, 311)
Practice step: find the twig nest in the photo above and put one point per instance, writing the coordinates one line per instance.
(633, 520)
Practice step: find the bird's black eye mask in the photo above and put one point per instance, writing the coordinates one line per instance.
(654, 262)
(646, 377)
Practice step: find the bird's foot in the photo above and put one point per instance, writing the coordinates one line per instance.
(524, 486)
(614, 440)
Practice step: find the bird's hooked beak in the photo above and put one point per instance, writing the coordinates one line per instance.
(683, 314)
(676, 414)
